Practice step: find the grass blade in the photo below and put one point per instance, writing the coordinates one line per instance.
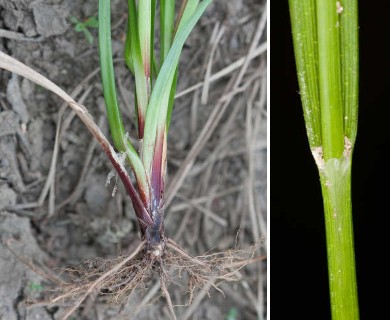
(108, 77)
(167, 18)
(171, 100)
(153, 69)
(189, 7)
(184, 15)
(141, 81)
(145, 36)
(144, 30)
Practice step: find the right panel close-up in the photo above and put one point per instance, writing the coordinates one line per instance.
(329, 139)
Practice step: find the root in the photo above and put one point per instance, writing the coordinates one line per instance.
(117, 279)
(174, 246)
(164, 290)
(100, 282)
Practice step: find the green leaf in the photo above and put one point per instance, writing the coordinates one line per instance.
(232, 314)
(188, 11)
(128, 52)
(152, 54)
(88, 35)
(74, 20)
(144, 30)
(167, 19)
(79, 27)
(133, 49)
(171, 100)
(92, 22)
(107, 74)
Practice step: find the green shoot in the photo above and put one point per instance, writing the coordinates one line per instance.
(155, 88)
(158, 106)
(79, 26)
(118, 133)
(35, 287)
(325, 38)
(232, 314)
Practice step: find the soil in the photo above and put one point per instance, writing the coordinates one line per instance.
(220, 205)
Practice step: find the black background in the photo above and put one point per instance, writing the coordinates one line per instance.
(299, 285)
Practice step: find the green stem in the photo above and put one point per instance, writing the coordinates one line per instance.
(350, 66)
(326, 54)
(332, 123)
(133, 55)
(336, 191)
(167, 18)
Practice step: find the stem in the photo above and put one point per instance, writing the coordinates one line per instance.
(336, 191)
(326, 53)
(330, 79)
(350, 66)
(336, 148)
